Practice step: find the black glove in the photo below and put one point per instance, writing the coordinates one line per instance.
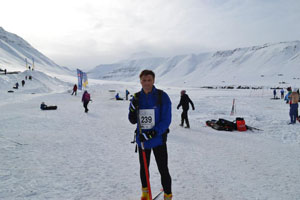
(147, 135)
(133, 105)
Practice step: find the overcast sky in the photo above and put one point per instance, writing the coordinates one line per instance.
(86, 33)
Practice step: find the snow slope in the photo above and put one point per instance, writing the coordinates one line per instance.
(14, 50)
(68, 154)
(265, 65)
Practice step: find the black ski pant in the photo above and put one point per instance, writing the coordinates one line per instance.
(85, 106)
(161, 157)
(184, 117)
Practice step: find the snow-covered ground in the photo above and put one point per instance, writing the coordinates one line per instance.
(68, 154)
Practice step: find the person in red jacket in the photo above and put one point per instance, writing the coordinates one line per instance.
(74, 90)
(86, 98)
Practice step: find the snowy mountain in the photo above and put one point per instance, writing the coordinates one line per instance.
(268, 64)
(14, 50)
(140, 55)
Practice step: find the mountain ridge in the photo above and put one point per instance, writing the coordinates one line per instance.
(256, 65)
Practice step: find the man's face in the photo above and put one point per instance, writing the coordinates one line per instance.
(147, 83)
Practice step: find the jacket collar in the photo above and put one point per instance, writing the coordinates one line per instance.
(152, 92)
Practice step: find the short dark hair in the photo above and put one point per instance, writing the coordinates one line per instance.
(147, 72)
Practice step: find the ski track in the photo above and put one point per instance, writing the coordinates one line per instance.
(69, 154)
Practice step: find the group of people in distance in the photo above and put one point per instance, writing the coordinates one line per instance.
(86, 98)
(119, 98)
(292, 98)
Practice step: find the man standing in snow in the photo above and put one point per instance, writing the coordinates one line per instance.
(274, 93)
(184, 102)
(127, 93)
(294, 106)
(150, 109)
(282, 93)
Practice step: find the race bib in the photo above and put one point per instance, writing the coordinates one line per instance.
(147, 118)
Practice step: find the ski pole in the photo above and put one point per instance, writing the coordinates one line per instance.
(144, 156)
(232, 109)
(133, 141)
(253, 128)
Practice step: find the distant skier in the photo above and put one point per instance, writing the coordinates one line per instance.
(184, 102)
(23, 83)
(118, 97)
(86, 98)
(74, 90)
(45, 107)
(150, 109)
(274, 93)
(16, 85)
(127, 93)
(287, 96)
(282, 93)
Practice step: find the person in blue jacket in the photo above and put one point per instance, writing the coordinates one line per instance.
(127, 93)
(282, 93)
(118, 97)
(154, 108)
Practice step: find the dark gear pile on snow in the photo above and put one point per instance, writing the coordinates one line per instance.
(225, 125)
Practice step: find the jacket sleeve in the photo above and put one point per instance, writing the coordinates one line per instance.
(180, 103)
(192, 103)
(132, 115)
(165, 115)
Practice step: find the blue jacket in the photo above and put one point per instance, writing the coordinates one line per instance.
(163, 116)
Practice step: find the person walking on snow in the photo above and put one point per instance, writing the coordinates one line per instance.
(86, 98)
(294, 106)
(184, 102)
(74, 90)
(282, 93)
(274, 93)
(153, 107)
(127, 93)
